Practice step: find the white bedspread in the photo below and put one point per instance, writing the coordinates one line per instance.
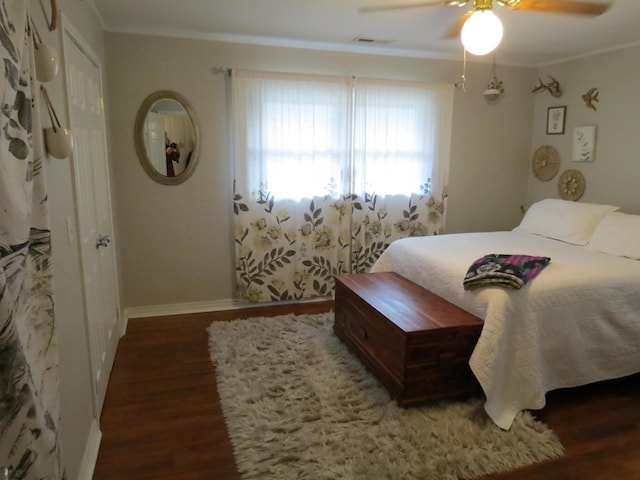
(577, 322)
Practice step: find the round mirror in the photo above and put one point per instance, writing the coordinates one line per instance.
(166, 137)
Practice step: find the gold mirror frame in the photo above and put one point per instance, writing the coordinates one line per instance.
(143, 155)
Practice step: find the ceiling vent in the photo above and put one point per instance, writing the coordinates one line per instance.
(371, 41)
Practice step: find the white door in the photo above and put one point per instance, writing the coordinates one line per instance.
(93, 207)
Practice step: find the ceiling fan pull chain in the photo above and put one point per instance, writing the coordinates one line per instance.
(463, 77)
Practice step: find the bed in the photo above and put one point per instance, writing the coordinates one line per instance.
(577, 322)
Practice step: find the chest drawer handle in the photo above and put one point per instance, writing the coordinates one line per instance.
(365, 334)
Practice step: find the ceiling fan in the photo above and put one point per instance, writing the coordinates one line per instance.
(483, 32)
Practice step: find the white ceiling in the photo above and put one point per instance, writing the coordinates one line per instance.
(530, 38)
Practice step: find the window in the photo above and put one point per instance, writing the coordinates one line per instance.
(301, 141)
(397, 126)
(301, 136)
(328, 172)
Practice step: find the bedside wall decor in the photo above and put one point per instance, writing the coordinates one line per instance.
(590, 97)
(553, 87)
(571, 185)
(556, 120)
(584, 143)
(545, 163)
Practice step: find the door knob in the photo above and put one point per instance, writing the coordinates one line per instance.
(103, 240)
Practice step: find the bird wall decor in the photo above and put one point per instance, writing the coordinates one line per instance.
(590, 97)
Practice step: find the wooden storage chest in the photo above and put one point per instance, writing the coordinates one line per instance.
(415, 342)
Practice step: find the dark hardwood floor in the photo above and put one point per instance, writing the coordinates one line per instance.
(162, 417)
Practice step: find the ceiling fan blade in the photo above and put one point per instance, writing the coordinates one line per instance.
(404, 6)
(455, 30)
(561, 6)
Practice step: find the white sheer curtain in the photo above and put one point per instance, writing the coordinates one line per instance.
(328, 171)
(402, 134)
(291, 132)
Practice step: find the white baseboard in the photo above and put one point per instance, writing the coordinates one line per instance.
(182, 308)
(193, 307)
(90, 456)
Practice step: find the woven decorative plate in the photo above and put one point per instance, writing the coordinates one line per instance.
(571, 184)
(545, 163)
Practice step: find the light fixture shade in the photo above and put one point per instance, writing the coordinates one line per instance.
(482, 32)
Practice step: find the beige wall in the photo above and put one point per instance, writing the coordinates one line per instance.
(614, 176)
(175, 241)
(489, 154)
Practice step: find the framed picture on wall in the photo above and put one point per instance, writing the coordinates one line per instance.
(584, 143)
(555, 120)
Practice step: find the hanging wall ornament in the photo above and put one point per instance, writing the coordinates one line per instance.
(58, 140)
(46, 57)
(571, 185)
(53, 11)
(545, 163)
(495, 86)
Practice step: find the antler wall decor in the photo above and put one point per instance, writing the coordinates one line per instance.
(553, 87)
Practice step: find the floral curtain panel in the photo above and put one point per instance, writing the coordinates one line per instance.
(328, 172)
(29, 444)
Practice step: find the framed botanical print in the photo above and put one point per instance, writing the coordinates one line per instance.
(555, 120)
(584, 143)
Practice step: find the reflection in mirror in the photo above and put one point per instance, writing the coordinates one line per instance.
(166, 137)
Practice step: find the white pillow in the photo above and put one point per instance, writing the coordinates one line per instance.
(618, 234)
(571, 222)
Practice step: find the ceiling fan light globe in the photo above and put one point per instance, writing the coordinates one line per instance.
(482, 32)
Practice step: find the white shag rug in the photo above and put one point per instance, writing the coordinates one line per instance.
(299, 405)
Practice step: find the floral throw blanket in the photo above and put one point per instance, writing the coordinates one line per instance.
(503, 270)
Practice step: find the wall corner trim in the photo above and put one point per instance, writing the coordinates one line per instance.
(90, 456)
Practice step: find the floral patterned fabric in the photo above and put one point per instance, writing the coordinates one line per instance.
(504, 270)
(289, 250)
(29, 444)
